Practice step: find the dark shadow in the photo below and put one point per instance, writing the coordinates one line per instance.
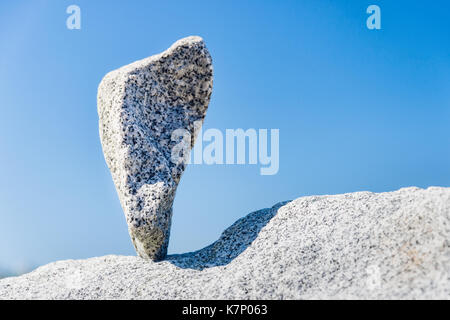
(231, 243)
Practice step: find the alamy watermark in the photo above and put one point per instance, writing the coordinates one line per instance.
(373, 280)
(214, 147)
(374, 20)
(73, 22)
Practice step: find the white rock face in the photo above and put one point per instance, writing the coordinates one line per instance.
(362, 245)
(139, 107)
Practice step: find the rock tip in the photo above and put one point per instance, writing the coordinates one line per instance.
(188, 40)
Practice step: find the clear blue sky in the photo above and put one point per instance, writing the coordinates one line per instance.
(357, 109)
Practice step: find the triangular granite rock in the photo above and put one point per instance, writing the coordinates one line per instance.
(140, 105)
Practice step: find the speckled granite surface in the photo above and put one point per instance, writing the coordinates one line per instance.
(361, 245)
(140, 106)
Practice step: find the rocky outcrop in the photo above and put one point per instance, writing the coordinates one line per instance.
(361, 245)
(140, 106)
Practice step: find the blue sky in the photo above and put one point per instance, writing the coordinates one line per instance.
(357, 109)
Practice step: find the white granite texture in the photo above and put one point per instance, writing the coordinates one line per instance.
(363, 245)
(140, 106)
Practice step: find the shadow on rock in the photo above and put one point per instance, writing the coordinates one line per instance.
(231, 243)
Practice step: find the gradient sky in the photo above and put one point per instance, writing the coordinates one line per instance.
(357, 110)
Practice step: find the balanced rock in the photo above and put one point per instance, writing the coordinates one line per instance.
(140, 106)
